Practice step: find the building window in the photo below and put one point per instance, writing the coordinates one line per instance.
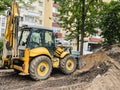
(2, 30)
(2, 34)
(3, 19)
(21, 18)
(56, 30)
(40, 3)
(40, 22)
(40, 13)
(56, 19)
(29, 19)
(3, 22)
(0, 19)
(22, 9)
(55, 10)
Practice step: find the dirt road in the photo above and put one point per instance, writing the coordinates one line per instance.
(100, 72)
(101, 77)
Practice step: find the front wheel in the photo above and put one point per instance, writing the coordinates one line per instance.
(40, 68)
(68, 64)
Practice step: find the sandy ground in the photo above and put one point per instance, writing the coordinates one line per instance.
(98, 71)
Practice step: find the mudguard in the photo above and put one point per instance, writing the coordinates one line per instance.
(39, 51)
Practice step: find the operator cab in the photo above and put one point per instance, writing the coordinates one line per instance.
(34, 37)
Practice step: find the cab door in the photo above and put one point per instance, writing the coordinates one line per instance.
(49, 41)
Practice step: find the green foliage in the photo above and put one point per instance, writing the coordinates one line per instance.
(110, 22)
(5, 4)
(72, 17)
(71, 13)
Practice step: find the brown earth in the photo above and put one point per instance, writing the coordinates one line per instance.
(98, 71)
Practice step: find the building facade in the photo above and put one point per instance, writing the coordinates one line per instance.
(38, 13)
(55, 19)
(2, 25)
(57, 29)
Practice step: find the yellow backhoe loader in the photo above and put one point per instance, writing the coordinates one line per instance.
(32, 50)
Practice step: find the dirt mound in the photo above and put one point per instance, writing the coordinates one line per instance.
(112, 51)
(106, 54)
(92, 60)
(98, 71)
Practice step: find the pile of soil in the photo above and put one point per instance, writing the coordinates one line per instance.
(112, 51)
(98, 71)
(92, 60)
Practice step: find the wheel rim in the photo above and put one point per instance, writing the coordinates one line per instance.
(43, 68)
(70, 64)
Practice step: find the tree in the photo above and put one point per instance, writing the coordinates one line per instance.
(79, 17)
(110, 23)
(5, 4)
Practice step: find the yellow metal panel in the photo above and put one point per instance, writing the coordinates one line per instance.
(10, 27)
(26, 54)
(56, 63)
(5, 59)
(39, 51)
(17, 67)
(64, 54)
(26, 60)
(7, 31)
(16, 11)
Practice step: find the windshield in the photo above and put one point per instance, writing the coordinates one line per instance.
(24, 38)
(34, 37)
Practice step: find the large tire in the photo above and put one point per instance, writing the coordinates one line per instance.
(40, 68)
(68, 64)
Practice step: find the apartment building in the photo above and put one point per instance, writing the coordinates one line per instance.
(60, 33)
(38, 13)
(2, 25)
(55, 26)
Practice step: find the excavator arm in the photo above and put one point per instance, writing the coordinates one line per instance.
(11, 32)
(10, 48)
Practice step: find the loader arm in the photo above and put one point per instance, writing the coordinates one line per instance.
(11, 32)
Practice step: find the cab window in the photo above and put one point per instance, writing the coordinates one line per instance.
(35, 40)
(48, 38)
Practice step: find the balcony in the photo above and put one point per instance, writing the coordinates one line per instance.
(33, 13)
(55, 24)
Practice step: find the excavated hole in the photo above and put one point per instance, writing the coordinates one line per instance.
(93, 72)
(79, 78)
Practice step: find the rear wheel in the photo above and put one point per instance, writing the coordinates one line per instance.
(68, 64)
(40, 68)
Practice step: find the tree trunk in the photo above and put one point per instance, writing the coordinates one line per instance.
(83, 24)
(78, 38)
(78, 43)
